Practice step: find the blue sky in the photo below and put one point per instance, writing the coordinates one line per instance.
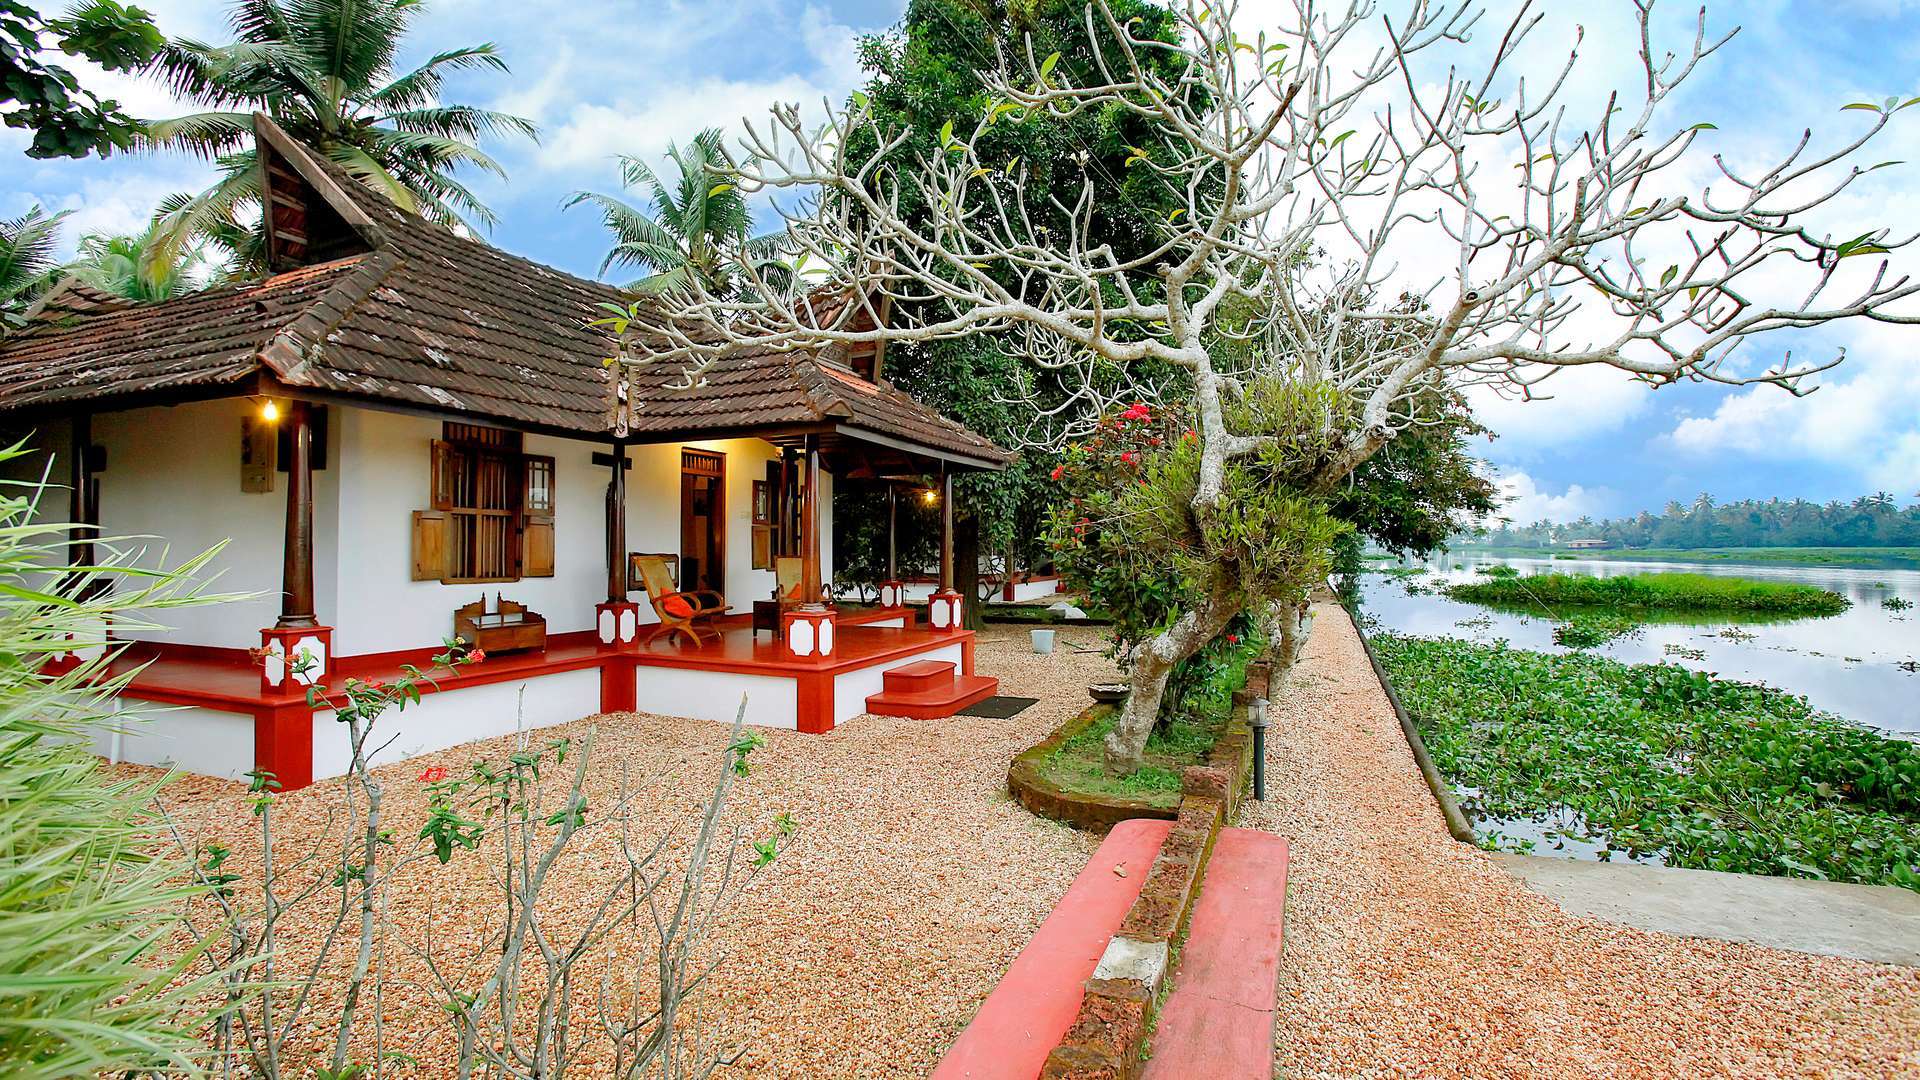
(605, 77)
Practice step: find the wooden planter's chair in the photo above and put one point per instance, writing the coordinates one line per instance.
(687, 613)
(788, 570)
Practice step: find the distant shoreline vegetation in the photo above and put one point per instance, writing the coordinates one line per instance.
(1651, 592)
(1890, 558)
(1876, 520)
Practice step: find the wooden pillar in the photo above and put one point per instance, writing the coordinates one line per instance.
(617, 525)
(83, 496)
(893, 528)
(946, 531)
(616, 618)
(296, 650)
(810, 569)
(296, 571)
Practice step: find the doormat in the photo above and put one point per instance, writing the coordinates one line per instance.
(998, 708)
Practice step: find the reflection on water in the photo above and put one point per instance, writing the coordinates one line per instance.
(1863, 664)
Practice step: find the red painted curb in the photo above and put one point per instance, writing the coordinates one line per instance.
(1029, 1012)
(1218, 1022)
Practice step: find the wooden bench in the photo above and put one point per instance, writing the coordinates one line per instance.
(1028, 1013)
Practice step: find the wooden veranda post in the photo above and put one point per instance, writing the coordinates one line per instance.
(617, 524)
(946, 531)
(944, 611)
(810, 570)
(893, 530)
(808, 630)
(616, 618)
(296, 570)
(297, 649)
(83, 495)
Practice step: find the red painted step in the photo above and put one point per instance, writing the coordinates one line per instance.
(1027, 1014)
(918, 677)
(1218, 1022)
(941, 701)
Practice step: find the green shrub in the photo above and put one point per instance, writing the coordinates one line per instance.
(88, 892)
(1661, 760)
(1652, 592)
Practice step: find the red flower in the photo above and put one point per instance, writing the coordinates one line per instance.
(434, 774)
(1233, 639)
(476, 656)
(1058, 470)
(1127, 457)
(259, 655)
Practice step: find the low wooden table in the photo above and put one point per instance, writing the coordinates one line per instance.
(766, 616)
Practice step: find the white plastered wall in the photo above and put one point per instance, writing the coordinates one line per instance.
(197, 740)
(172, 489)
(468, 714)
(173, 476)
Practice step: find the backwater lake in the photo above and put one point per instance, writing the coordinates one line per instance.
(1859, 665)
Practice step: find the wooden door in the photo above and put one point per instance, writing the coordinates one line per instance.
(703, 520)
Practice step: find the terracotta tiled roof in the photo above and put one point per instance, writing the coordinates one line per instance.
(428, 318)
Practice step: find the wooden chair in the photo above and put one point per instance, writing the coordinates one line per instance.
(788, 570)
(679, 612)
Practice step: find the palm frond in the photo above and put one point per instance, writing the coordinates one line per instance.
(27, 245)
(461, 122)
(420, 87)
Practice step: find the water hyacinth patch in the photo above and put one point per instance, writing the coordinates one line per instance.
(1660, 760)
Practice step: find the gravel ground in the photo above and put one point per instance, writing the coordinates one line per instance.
(1410, 954)
(911, 882)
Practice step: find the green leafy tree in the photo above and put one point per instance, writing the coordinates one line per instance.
(27, 265)
(927, 72)
(1420, 489)
(66, 119)
(324, 71)
(700, 227)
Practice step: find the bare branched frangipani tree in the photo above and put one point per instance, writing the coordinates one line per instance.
(1393, 223)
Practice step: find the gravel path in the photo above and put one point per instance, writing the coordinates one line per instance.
(911, 882)
(1410, 954)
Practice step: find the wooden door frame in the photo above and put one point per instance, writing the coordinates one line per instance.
(716, 570)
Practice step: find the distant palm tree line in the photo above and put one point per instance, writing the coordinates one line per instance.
(1876, 520)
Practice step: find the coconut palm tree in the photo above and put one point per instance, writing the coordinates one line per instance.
(697, 229)
(125, 266)
(27, 265)
(323, 70)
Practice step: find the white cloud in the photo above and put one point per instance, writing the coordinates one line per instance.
(1865, 418)
(1524, 502)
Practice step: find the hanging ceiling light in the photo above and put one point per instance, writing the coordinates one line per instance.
(269, 410)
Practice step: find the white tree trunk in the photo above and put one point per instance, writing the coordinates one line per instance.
(1153, 662)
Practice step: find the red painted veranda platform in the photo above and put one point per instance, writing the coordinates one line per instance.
(704, 676)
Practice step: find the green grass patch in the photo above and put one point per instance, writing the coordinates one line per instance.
(1079, 763)
(1631, 593)
(1659, 760)
(1040, 615)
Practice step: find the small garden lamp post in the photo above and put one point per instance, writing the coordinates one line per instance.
(1257, 719)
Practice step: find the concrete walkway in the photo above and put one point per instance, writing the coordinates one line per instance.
(1880, 923)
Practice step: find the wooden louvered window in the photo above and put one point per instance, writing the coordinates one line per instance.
(492, 516)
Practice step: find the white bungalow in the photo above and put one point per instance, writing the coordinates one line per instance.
(401, 422)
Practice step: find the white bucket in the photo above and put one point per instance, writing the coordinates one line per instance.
(1042, 641)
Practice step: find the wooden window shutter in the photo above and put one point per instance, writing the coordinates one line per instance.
(536, 501)
(444, 476)
(429, 545)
